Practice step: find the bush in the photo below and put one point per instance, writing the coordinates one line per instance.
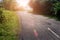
(8, 38)
(57, 10)
(8, 25)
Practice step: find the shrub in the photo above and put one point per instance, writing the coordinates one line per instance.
(57, 10)
(8, 25)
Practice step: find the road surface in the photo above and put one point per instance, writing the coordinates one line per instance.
(38, 27)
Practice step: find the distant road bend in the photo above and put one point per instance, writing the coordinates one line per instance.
(38, 27)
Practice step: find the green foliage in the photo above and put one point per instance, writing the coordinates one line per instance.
(57, 6)
(8, 25)
(8, 38)
(57, 9)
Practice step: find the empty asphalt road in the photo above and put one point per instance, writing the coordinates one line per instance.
(38, 27)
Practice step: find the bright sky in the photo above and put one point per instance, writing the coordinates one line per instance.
(0, 0)
(23, 2)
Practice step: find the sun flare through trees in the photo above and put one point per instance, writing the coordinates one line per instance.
(24, 4)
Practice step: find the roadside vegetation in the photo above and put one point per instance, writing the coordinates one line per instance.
(55, 10)
(8, 25)
(50, 8)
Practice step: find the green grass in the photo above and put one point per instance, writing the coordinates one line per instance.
(8, 25)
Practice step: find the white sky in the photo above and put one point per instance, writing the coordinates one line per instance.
(1, 0)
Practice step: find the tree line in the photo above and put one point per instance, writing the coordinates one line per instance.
(46, 7)
(9, 4)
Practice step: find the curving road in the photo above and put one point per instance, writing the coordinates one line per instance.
(38, 27)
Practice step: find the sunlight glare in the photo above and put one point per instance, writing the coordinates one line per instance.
(23, 2)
